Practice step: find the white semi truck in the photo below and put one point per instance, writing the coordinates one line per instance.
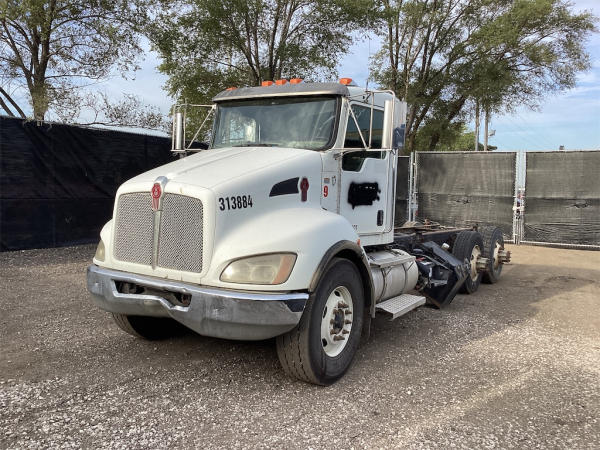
(283, 227)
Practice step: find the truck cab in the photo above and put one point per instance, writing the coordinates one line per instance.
(283, 227)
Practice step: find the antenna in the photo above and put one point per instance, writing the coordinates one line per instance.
(368, 53)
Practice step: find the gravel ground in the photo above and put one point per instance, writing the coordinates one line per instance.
(516, 365)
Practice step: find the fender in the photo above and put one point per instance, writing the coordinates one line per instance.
(354, 252)
(105, 237)
(305, 231)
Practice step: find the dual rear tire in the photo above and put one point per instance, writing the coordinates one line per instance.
(470, 245)
(493, 243)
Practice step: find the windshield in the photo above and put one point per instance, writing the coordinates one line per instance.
(298, 122)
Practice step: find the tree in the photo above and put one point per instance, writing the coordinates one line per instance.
(128, 111)
(454, 138)
(208, 45)
(448, 57)
(53, 48)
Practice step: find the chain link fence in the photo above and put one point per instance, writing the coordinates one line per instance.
(562, 199)
(465, 188)
(546, 198)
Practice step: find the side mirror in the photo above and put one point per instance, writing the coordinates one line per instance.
(178, 132)
(388, 125)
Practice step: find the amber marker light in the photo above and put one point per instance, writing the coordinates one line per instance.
(285, 269)
(345, 81)
(232, 88)
(296, 81)
(280, 82)
(266, 83)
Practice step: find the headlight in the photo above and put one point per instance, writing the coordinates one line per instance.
(263, 269)
(100, 253)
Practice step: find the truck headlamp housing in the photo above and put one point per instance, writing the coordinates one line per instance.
(100, 251)
(263, 269)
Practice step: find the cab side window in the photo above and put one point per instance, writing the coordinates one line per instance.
(353, 161)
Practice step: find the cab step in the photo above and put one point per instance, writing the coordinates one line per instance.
(398, 306)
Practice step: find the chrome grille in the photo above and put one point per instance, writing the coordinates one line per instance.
(180, 237)
(134, 228)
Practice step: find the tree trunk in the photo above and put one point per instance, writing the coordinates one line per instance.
(12, 102)
(6, 108)
(433, 141)
(410, 143)
(476, 125)
(39, 99)
(485, 133)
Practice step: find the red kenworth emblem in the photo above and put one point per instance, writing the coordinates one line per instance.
(156, 192)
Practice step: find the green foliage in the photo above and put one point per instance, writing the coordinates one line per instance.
(207, 46)
(454, 137)
(446, 56)
(51, 47)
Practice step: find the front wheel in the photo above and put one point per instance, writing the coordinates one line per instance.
(150, 328)
(322, 346)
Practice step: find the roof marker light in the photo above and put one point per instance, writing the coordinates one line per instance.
(346, 81)
(280, 82)
(232, 88)
(267, 83)
(296, 81)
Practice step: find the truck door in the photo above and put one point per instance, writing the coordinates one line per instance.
(365, 174)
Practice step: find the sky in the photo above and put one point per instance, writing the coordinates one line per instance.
(570, 119)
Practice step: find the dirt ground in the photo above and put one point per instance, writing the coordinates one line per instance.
(516, 365)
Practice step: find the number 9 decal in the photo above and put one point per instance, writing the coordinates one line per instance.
(325, 191)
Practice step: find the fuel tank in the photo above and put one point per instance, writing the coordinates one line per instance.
(394, 272)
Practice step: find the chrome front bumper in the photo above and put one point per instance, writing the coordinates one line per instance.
(211, 312)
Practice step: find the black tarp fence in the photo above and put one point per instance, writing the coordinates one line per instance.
(562, 198)
(467, 188)
(402, 191)
(58, 182)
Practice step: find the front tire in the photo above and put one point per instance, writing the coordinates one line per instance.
(149, 328)
(322, 346)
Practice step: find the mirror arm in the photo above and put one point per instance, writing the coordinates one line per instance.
(357, 127)
(210, 112)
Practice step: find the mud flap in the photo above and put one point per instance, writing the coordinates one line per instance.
(444, 273)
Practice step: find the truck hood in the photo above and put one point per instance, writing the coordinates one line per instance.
(233, 189)
(210, 168)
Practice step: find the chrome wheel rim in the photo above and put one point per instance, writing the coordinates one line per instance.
(475, 253)
(336, 321)
(496, 261)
